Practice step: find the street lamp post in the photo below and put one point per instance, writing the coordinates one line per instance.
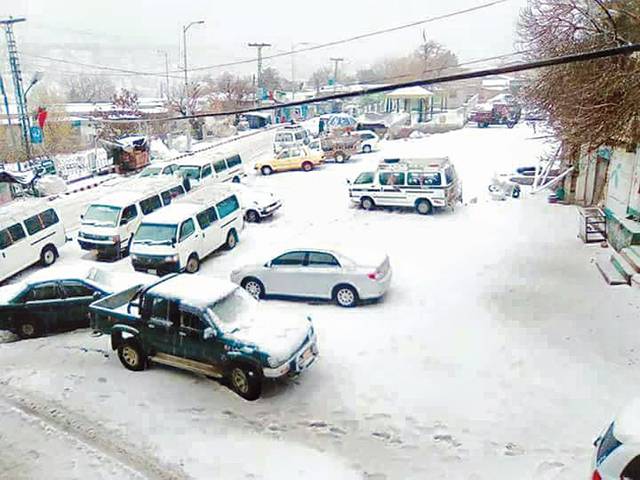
(166, 69)
(186, 77)
(293, 65)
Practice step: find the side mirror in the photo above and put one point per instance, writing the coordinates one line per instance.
(208, 333)
(348, 182)
(267, 265)
(96, 295)
(81, 216)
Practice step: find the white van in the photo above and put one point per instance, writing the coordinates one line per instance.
(420, 183)
(109, 223)
(291, 136)
(30, 231)
(180, 236)
(212, 168)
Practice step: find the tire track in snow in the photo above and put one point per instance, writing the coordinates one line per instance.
(139, 460)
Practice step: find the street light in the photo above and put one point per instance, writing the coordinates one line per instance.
(293, 65)
(35, 79)
(186, 77)
(166, 68)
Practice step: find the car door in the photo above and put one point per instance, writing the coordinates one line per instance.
(280, 163)
(283, 274)
(321, 272)
(191, 343)
(189, 241)
(43, 303)
(128, 223)
(295, 159)
(160, 325)
(212, 235)
(77, 297)
(392, 188)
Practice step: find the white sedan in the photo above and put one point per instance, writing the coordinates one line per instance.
(319, 273)
(369, 140)
(617, 449)
(256, 203)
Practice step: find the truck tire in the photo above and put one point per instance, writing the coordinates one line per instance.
(48, 256)
(424, 207)
(307, 166)
(132, 355)
(340, 157)
(246, 381)
(193, 264)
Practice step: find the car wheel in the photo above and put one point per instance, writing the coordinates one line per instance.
(266, 170)
(516, 192)
(252, 216)
(232, 240)
(340, 157)
(193, 264)
(307, 166)
(48, 255)
(254, 287)
(246, 381)
(28, 329)
(236, 179)
(367, 203)
(366, 149)
(423, 207)
(346, 296)
(132, 356)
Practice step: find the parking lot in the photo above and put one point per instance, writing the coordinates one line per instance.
(480, 362)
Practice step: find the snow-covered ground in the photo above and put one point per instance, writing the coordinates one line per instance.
(498, 352)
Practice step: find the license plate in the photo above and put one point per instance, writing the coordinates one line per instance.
(152, 272)
(308, 353)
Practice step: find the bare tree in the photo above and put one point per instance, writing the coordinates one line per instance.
(589, 103)
(321, 77)
(231, 91)
(89, 88)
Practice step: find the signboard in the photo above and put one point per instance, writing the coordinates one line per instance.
(36, 135)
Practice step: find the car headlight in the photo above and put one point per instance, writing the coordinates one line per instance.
(272, 362)
(134, 257)
(171, 258)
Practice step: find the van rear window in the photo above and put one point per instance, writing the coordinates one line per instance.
(150, 204)
(234, 160)
(227, 206)
(424, 179)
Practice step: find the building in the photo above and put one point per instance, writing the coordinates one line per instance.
(416, 101)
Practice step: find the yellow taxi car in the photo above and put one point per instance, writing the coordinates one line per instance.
(293, 158)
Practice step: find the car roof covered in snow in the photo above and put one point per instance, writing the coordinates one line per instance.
(18, 210)
(195, 160)
(138, 189)
(193, 290)
(173, 214)
(207, 195)
(627, 423)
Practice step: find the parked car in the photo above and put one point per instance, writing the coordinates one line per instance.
(420, 183)
(215, 167)
(208, 326)
(339, 148)
(257, 203)
(290, 136)
(296, 158)
(369, 140)
(346, 279)
(30, 231)
(58, 298)
(108, 224)
(181, 236)
(159, 168)
(617, 449)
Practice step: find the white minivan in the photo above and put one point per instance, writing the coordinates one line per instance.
(30, 231)
(212, 168)
(180, 236)
(108, 224)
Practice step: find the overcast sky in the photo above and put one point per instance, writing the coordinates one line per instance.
(128, 33)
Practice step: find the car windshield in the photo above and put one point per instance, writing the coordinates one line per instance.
(151, 171)
(101, 215)
(234, 311)
(190, 171)
(151, 233)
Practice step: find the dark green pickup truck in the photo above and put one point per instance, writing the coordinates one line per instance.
(208, 326)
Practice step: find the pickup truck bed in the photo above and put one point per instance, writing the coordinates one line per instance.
(105, 313)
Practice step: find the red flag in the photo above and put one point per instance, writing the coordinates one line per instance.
(41, 116)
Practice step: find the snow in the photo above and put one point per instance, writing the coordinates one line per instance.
(410, 92)
(498, 351)
(197, 291)
(627, 423)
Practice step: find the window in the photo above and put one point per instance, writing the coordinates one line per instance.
(159, 309)
(166, 197)
(366, 177)
(392, 178)
(220, 166)
(295, 152)
(43, 292)
(187, 229)
(191, 322)
(299, 136)
(206, 171)
(5, 239)
(450, 175)
(292, 259)
(227, 206)
(366, 136)
(190, 171)
(74, 289)
(129, 214)
(206, 218)
(284, 154)
(424, 179)
(169, 195)
(150, 204)
(49, 217)
(11, 235)
(320, 259)
(169, 169)
(234, 161)
(33, 224)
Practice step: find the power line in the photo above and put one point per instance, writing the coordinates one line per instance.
(549, 62)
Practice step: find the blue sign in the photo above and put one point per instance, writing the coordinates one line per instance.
(36, 134)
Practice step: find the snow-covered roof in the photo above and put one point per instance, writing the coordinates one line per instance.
(173, 214)
(194, 161)
(19, 209)
(194, 290)
(207, 194)
(138, 189)
(410, 92)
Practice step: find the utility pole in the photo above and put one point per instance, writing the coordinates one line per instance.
(293, 67)
(186, 77)
(14, 63)
(336, 62)
(166, 69)
(259, 46)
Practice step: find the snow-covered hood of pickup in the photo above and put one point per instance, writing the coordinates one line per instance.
(279, 335)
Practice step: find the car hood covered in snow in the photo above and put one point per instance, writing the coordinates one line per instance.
(278, 335)
(8, 292)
